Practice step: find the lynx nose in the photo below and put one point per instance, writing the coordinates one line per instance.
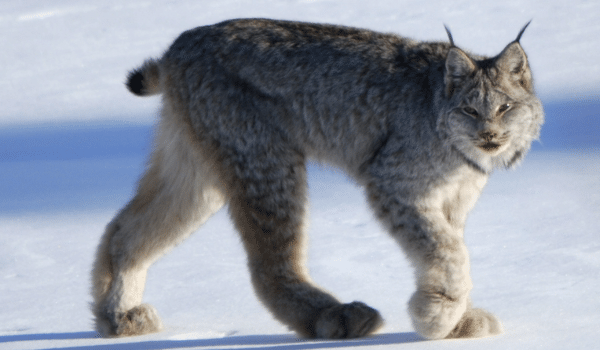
(487, 136)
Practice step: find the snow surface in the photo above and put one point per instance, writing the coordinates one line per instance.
(73, 142)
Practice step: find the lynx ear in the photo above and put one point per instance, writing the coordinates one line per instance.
(458, 67)
(513, 61)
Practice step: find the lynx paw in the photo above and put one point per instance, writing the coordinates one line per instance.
(435, 315)
(142, 319)
(476, 323)
(347, 321)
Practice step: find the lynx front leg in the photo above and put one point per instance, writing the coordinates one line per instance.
(440, 307)
(269, 211)
(443, 281)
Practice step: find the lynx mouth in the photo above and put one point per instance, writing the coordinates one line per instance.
(490, 146)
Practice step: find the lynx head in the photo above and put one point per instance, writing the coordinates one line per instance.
(491, 113)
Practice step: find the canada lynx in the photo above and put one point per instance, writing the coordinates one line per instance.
(245, 103)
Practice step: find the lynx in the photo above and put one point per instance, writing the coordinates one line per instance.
(245, 103)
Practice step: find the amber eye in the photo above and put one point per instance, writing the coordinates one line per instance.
(503, 108)
(471, 111)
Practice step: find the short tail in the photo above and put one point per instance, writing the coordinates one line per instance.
(145, 80)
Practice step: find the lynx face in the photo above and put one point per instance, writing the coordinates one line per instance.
(494, 114)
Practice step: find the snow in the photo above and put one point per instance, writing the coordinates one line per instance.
(73, 143)
(66, 60)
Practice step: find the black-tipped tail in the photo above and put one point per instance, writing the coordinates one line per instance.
(135, 82)
(144, 80)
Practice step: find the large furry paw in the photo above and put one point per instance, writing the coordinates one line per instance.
(476, 323)
(347, 321)
(435, 315)
(142, 319)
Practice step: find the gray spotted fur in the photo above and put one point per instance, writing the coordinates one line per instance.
(247, 102)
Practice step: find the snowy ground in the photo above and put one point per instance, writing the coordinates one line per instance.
(532, 238)
(73, 142)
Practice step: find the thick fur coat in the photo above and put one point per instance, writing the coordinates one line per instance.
(247, 102)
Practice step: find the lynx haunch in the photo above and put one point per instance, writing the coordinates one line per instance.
(245, 104)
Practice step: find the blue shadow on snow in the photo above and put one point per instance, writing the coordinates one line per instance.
(247, 342)
(67, 167)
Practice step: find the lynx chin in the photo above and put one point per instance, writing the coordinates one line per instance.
(245, 104)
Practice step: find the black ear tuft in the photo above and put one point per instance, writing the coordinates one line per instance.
(449, 36)
(135, 82)
(522, 31)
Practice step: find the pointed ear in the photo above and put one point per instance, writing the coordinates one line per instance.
(458, 67)
(513, 61)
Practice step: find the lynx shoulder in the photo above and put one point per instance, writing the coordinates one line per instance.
(245, 104)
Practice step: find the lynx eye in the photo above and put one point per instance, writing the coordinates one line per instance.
(471, 111)
(503, 108)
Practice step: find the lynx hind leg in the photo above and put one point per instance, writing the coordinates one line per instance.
(268, 208)
(179, 192)
(125, 316)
